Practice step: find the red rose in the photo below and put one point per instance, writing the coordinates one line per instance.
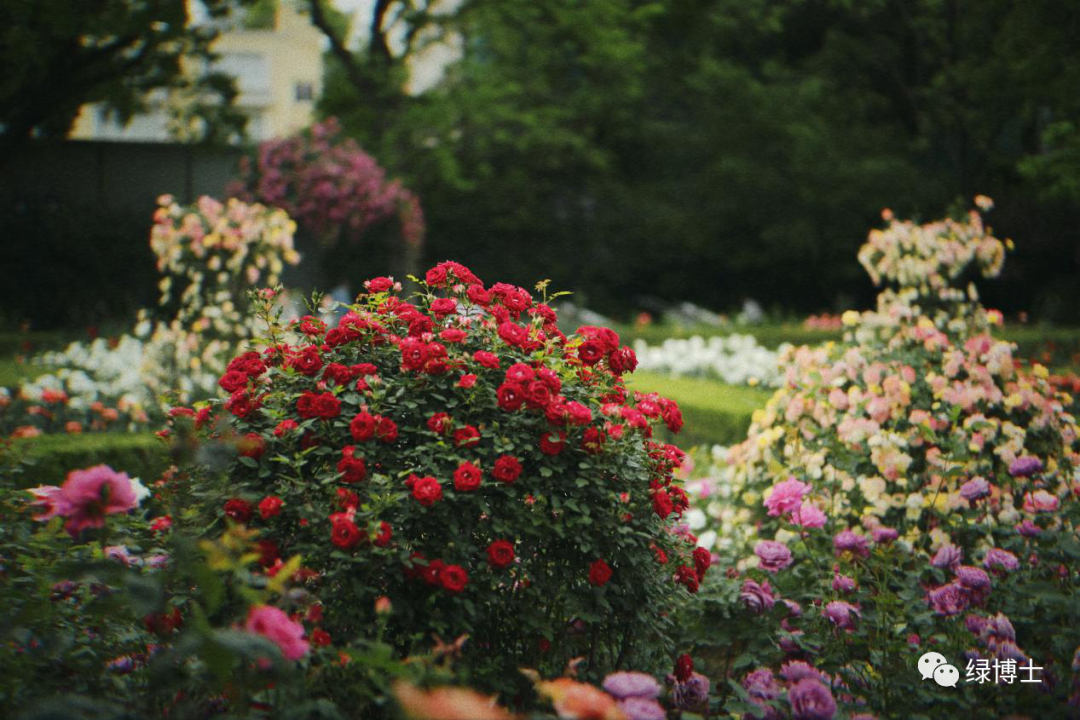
(439, 423)
(511, 396)
(387, 430)
(479, 295)
(202, 418)
(466, 436)
(320, 638)
(507, 469)
(352, 468)
(305, 405)
(337, 374)
(252, 445)
(436, 276)
(467, 381)
(467, 477)
(537, 395)
(512, 334)
(239, 510)
(385, 534)
(414, 353)
(686, 576)
(270, 506)
(662, 504)
(673, 418)
(307, 362)
(430, 572)
(233, 380)
(453, 578)
(684, 668)
(551, 443)
(599, 573)
(285, 426)
(161, 524)
(343, 531)
(326, 406)
(702, 561)
(363, 426)
(268, 552)
(379, 284)
(443, 306)
(579, 414)
(427, 491)
(520, 373)
(241, 404)
(452, 335)
(622, 361)
(500, 554)
(486, 359)
(593, 440)
(591, 352)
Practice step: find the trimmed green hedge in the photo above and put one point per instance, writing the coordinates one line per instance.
(713, 412)
(141, 455)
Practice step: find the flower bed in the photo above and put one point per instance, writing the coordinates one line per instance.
(914, 490)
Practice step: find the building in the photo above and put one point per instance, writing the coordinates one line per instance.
(278, 66)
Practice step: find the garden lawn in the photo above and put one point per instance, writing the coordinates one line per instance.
(714, 413)
(12, 372)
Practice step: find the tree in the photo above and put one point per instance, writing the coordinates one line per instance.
(58, 55)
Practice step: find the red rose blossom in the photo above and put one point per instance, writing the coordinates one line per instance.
(239, 510)
(486, 359)
(363, 426)
(353, 469)
(599, 573)
(510, 396)
(467, 381)
(467, 477)
(500, 554)
(343, 531)
(439, 423)
(270, 506)
(453, 578)
(507, 469)
(466, 436)
(427, 491)
(233, 380)
(552, 443)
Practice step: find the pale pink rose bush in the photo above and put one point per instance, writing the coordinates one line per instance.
(904, 486)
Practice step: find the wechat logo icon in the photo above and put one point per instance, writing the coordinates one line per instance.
(934, 665)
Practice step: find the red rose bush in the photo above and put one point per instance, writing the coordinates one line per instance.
(459, 455)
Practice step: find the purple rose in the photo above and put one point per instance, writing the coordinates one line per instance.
(975, 581)
(998, 559)
(691, 694)
(998, 627)
(757, 598)
(1025, 466)
(639, 708)
(1028, 529)
(774, 556)
(810, 700)
(975, 489)
(949, 599)
(947, 556)
(624, 685)
(761, 684)
(795, 670)
(975, 624)
(884, 535)
(842, 614)
(848, 541)
(842, 583)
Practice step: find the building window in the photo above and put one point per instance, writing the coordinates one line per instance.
(305, 91)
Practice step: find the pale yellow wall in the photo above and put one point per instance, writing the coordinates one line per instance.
(291, 53)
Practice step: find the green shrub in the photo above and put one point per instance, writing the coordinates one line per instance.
(141, 455)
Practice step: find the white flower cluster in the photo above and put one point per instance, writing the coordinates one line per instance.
(93, 372)
(732, 359)
(716, 503)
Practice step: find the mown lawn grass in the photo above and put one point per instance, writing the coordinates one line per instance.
(714, 413)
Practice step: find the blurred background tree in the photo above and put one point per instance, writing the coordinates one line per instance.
(58, 55)
(718, 150)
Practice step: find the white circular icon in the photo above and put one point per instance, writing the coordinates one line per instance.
(946, 675)
(929, 662)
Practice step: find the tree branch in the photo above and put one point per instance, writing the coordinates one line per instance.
(363, 84)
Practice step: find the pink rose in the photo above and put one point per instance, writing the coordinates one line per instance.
(808, 516)
(274, 625)
(87, 496)
(786, 497)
